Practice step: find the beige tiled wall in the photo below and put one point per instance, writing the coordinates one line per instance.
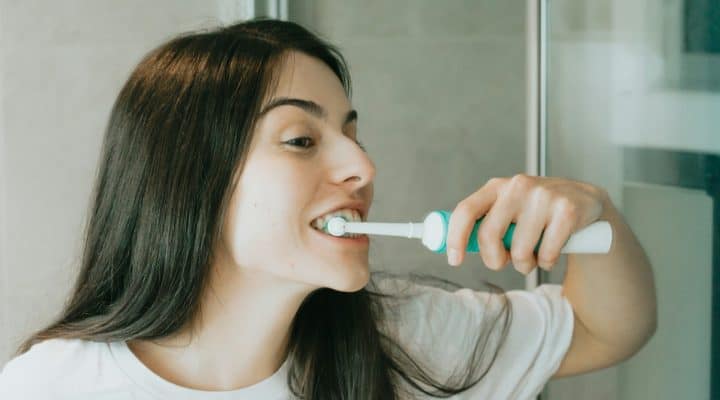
(440, 90)
(62, 66)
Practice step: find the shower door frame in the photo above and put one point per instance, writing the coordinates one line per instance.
(536, 103)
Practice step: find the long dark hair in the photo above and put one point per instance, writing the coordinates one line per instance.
(176, 140)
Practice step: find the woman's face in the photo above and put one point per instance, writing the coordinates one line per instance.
(303, 163)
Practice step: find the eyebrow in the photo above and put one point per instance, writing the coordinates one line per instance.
(308, 106)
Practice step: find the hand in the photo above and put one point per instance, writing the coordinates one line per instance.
(557, 206)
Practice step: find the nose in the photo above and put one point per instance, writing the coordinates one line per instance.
(353, 165)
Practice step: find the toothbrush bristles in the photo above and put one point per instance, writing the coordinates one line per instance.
(336, 226)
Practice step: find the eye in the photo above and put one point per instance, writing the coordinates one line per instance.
(301, 142)
(307, 142)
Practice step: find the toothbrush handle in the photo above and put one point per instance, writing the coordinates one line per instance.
(595, 238)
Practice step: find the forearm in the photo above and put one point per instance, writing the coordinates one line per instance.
(613, 295)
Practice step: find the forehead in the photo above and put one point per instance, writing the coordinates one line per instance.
(305, 77)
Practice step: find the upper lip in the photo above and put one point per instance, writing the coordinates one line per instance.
(359, 205)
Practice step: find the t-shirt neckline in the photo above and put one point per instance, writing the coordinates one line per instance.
(272, 387)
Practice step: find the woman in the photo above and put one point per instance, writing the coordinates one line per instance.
(204, 273)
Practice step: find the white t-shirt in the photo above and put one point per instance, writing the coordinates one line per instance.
(436, 326)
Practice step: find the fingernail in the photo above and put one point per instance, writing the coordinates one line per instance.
(453, 257)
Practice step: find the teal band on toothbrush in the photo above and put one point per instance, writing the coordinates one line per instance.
(473, 246)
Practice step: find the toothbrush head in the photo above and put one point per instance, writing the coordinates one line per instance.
(336, 226)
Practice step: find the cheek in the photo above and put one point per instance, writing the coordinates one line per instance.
(254, 233)
(266, 219)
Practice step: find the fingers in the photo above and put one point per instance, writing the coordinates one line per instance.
(528, 230)
(556, 235)
(463, 219)
(539, 211)
(496, 222)
(492, 229)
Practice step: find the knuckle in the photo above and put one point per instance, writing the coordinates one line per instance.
(521, 182)
(541, 193)
(486, 234)
(494, 181)
(567, 208)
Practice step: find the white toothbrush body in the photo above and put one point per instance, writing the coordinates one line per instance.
(595, 238)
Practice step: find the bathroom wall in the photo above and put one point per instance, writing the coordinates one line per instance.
(440, 90)
(61, 66)
(439, 87)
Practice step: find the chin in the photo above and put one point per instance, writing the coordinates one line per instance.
(354, 280)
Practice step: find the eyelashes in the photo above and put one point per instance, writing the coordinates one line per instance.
(294, 142)
(309, 142)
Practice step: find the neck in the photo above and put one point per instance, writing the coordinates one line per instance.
(240, 335)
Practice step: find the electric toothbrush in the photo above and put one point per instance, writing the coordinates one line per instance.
(594, 238)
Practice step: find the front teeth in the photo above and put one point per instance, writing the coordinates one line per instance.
(349, 215)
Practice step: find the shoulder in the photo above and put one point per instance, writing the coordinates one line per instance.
(51, 365)
(49, 355)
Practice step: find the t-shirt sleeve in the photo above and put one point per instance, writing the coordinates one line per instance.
(537, 340)
(24, 377)
(53, 369)
(441, 328)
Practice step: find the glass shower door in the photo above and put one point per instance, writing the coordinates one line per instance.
(633, 105)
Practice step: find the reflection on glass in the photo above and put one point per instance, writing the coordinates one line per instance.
(633, 106)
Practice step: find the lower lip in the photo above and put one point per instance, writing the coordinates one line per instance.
(361, 240)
